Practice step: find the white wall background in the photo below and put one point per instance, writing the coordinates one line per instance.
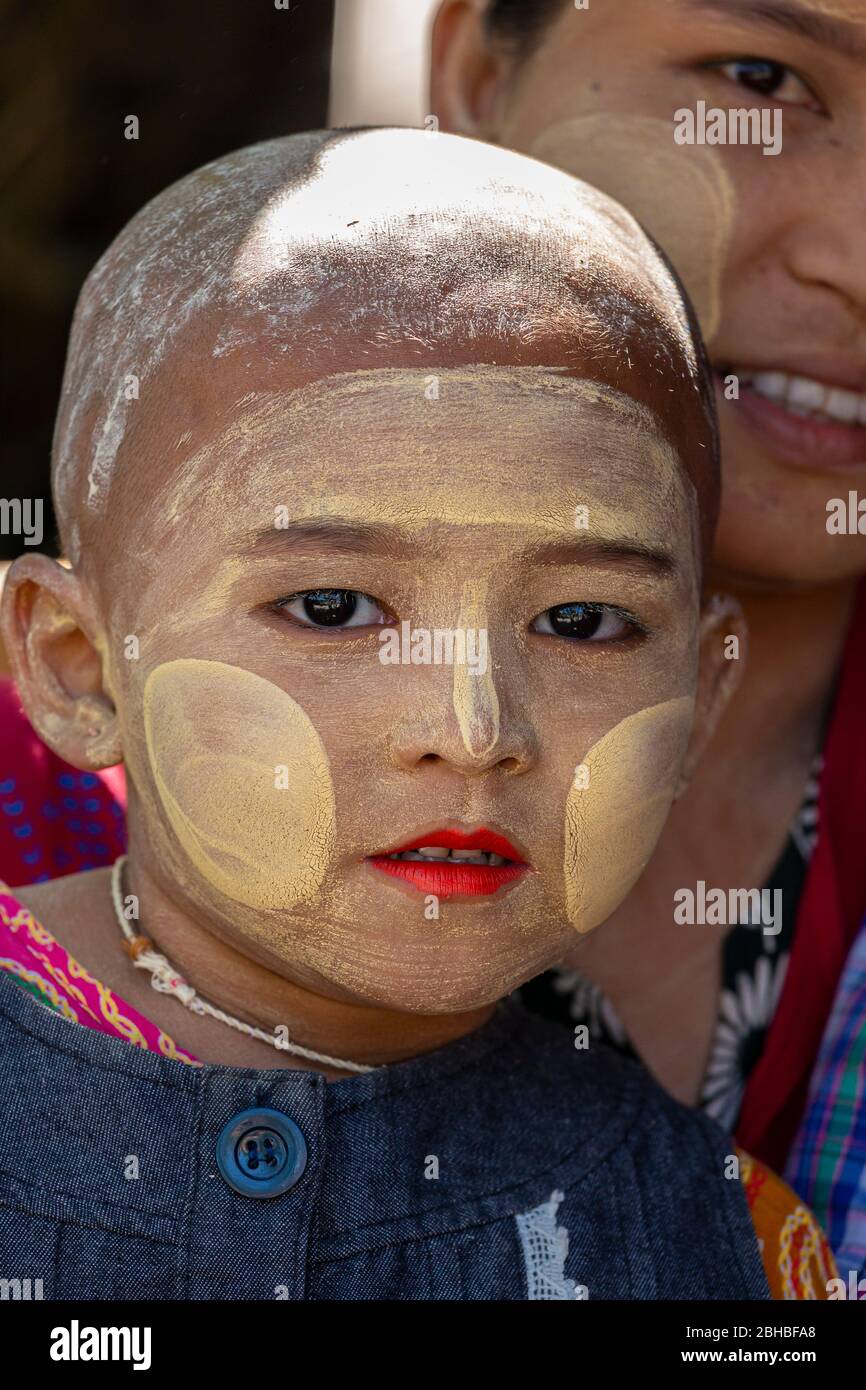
(379, 68)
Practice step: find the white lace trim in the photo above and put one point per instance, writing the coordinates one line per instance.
(545, 1246)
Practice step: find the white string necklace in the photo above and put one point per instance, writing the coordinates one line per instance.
(165, 980)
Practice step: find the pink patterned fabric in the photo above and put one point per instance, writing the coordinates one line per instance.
(34, 960)
(54, 819)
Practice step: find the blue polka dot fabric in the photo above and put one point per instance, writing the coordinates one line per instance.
(54, 819)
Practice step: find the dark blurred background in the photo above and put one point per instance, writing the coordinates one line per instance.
(202, 78)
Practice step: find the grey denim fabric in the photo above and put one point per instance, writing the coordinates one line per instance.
(558, 1171)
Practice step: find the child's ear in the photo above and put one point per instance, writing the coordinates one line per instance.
(467, 75)
(48, 625)
(724, 639)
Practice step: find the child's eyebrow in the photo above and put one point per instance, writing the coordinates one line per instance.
(317, 534)
(313, 534)
(844, 35)
(614, 553)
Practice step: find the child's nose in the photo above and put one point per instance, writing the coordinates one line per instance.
(464, 722)
(476, 706)
(473, 733)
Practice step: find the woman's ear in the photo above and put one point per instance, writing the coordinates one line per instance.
(724, 640)
(467, 75)
(49, 629)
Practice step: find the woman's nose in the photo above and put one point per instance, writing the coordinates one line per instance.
(824, 250)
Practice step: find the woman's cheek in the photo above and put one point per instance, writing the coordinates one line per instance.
(683, 196)
(617, 805)
(243, 779)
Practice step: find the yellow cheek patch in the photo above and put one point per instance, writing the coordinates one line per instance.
(683, 196)
(617, 806)
(243, 779)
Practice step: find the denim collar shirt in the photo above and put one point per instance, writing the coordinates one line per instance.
(508, 1165)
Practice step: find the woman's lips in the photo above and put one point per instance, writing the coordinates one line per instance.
(819, 445)
(454, 862)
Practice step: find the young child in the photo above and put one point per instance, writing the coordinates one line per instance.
(387, 467)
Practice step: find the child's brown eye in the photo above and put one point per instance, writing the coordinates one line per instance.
(583, 622)
(332, 608)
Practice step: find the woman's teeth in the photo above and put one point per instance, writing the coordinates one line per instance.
(438, 853)
(801, 395)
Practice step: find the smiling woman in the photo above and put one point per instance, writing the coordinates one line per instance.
(578, 88)
(770, 251)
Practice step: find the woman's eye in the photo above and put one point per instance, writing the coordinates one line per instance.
(332, 608)
(584, 622)
(768, 79)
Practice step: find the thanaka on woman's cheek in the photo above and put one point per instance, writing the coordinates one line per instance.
(686, 199)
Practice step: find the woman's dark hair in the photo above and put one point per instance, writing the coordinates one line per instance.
(521, 22)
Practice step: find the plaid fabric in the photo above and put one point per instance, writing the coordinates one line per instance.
(828, 1161)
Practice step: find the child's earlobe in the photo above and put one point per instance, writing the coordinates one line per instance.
(57, 666)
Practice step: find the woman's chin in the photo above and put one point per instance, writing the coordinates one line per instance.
(764, 504)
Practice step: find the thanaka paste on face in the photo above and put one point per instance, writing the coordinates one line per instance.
(474, 697)
(343, 413)
(313, 417)
(617, 806)
(280, 418)
(321, 428)
(236, 257)
(683, 196)
(243, 780)
(328, 423)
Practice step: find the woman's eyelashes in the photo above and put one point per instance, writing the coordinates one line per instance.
(587, 622)
(333, 609)
(767, 78)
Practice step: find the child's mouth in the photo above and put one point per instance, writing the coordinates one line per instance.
(449, 862)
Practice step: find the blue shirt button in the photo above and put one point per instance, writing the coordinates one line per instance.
(261, 1153)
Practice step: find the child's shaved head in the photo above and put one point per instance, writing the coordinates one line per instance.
(333, 405)
(334, 252)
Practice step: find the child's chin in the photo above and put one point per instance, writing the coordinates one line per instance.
(442, 993)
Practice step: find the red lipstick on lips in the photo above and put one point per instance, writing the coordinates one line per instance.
(447, 877)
